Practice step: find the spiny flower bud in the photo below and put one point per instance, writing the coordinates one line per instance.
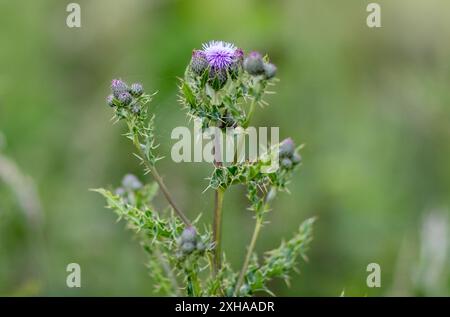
(110, 100)
(200, 246)
(254, 64)
(286, 163)
(118, 87)
(296, 158)
(125, 98)
(120, 191)
(136, 89)
(136, 108)
(287, 148)
(189, 235)
(199, 63)
(187, 247)
(270, 70)
(131, 182)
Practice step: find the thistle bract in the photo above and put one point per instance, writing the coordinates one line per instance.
(198, 62)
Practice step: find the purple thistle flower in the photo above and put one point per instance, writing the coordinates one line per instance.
(125, 98)
(219, 54)
(118, 87)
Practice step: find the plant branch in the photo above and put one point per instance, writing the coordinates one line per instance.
(218, 202)
(251, 247)
(160, 182)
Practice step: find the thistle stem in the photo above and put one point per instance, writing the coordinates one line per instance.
(168, 270)
(167, 195)
(160, 182)
(245, 126)
(218, 202)
(250, 113)
(251, 247)
(217, 229)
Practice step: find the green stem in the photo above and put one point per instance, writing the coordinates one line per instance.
(217, 229)
(250, 113)
(245, 126)
(218, 203)
(251, 247)
(160, 182)
(168, 270)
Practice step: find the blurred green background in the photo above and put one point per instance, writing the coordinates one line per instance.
(371, 105)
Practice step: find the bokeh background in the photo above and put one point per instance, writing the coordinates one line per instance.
(371, 105)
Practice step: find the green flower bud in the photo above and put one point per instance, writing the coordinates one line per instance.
(287, 147)
(270, 70)
(296, 158)
(201, 246)
(254, 64)
(189, 235)
(131, 182)
(187, 247)
(286, 163)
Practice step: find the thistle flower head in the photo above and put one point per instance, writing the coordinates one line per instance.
(118, 87)
(219, 54)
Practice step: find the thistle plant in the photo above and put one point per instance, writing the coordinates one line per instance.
(222, 87)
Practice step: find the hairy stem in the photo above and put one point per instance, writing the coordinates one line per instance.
(160, 182)
(251, 247)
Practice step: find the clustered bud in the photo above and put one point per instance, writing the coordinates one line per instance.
(189, 241)
(124, 95)
(289, 157)
(255, 65)
(130, 185)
